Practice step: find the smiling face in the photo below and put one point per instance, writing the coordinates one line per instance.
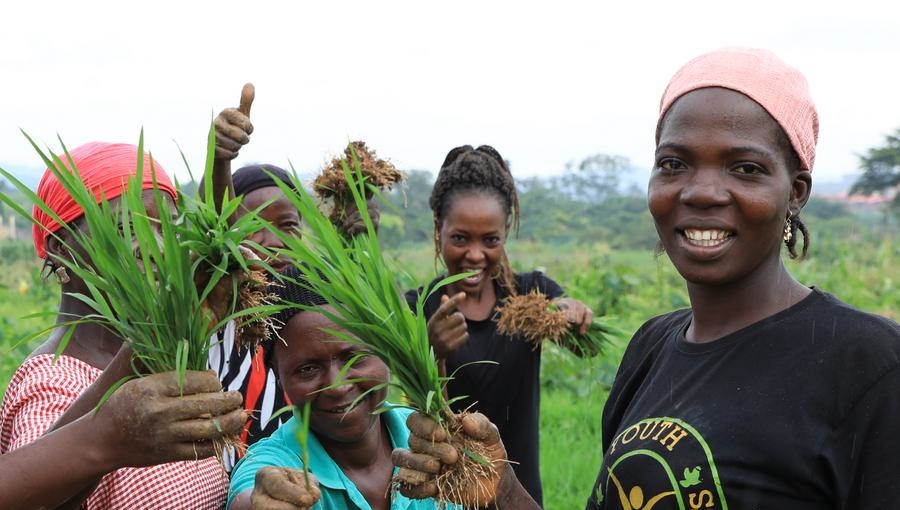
(311, 361)
(472, 236)
(280, 213)
(724, 181)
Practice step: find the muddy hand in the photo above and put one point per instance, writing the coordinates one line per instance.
(219, 300)
(429, 450)
(353, 222)
(577, 313)
(447, 330)
(149, 420)
(233, 127)
(283, 488)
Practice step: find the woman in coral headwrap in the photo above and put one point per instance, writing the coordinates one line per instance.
(765, 393)
(48, 393)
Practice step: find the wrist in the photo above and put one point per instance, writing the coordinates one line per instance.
(510, 493)
(95, 446)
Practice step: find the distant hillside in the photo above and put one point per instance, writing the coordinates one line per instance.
(30, 176)
(833, 187)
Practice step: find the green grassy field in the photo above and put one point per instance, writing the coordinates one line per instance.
(628, 287)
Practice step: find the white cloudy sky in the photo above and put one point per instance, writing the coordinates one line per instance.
(545, 83)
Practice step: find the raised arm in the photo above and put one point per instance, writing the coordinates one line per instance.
(233, 130)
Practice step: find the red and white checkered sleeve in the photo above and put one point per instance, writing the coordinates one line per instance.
(192, 484)
(39, 398)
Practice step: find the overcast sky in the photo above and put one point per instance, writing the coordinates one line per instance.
(545, 83)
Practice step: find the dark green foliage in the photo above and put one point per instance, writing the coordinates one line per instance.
(824, 209)
(407, 219)
(15, 251)
(881, 169)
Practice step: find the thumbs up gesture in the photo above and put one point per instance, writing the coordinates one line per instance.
(233, 127)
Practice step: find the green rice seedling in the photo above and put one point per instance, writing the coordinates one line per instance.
(162, 285)
(302, 418)
(352, 275)
(369, 309)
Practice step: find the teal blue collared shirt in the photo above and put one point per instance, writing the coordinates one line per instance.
(338, 491)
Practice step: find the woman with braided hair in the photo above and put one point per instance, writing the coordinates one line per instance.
(475, 207)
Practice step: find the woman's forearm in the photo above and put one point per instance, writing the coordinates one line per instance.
(54, 469)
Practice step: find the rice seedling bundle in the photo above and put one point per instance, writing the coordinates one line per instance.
(536, 318)
(370, 309)
(162, 285)
(332, 184)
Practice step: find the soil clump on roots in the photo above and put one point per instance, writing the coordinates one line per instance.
(332, 183)
(532, 316)
(472, 480)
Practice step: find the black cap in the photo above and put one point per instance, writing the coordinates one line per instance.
(253, 177)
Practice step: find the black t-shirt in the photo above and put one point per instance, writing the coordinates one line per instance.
(799, 411)
(508, 392)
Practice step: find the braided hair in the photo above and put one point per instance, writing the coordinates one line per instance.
(796, 224)
(791, 243)
(468, 171)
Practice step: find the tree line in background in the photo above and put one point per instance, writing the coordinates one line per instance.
(591, 202)
(881, 170)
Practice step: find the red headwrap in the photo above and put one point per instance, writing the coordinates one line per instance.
(105, 169)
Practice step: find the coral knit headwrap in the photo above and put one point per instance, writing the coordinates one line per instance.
(105, 168)
(764, 78)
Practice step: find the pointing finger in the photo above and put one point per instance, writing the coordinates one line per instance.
(247, 95)
(458, 298)
(450, 304)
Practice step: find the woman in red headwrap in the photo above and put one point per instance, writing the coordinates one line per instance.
(47, 392)
(765, 393)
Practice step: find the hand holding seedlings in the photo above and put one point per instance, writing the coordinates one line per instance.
(218, 303)
(352, 221)
(331, 185)
(447, 330)
(285, 489)
(149, 421)
(430, 451)
(577, 313)
(233, 127)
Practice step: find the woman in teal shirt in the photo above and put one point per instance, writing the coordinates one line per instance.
(349, 448)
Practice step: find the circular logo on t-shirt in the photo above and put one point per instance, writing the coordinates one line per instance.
(659, 464)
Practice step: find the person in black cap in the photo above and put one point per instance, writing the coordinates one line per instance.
(237, 367)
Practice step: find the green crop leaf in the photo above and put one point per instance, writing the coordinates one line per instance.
(351, 273)
(151, 280)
